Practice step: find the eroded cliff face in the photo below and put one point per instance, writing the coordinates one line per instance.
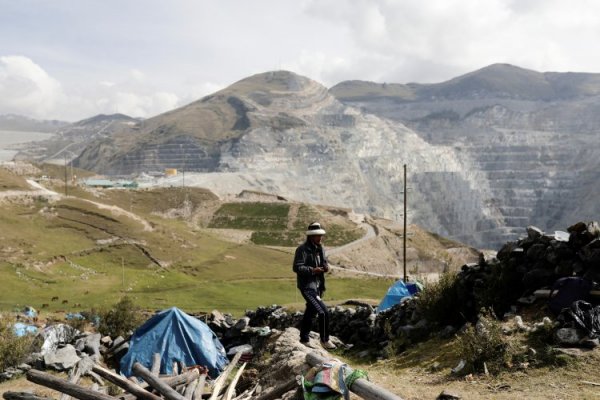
(536, 160)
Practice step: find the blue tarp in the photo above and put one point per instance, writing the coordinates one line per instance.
(396, 293)
(21, 329)
(176, 336)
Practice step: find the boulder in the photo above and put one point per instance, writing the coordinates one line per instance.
(62, 359)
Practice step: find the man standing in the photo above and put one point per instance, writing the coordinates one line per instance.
(310, 265)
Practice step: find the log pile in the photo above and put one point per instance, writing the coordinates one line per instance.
(191, 384)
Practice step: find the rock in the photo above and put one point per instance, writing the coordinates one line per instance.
(446, 395)
(568, 336)
(589, 343)
(242, 323)
(534, 232)
(90, 344)
(62, 359)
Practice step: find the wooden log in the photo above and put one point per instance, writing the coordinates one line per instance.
(125, 383)
(63, 386)
(154, 381)
(231, 389)
(190, 389)
(220, 382)
(74, 376)
(279, 390)
(95, 377)
(115, 344)
(22, 396)
(199, 387)
(155, 364)
(182, 379)
(361, 387)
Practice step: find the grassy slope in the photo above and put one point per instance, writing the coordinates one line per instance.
(53, 250)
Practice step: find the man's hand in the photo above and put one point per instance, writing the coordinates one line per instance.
(317, 270)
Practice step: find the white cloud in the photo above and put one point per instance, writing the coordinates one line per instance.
(25, 88)
(162, 55)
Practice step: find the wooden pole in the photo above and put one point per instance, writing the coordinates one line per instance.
(199, 387)
(190, 389)
(154, 381)
(66, 173)
(405, 233)
(125, 383)
(155, 364)
(22, 396)
(220, 381)
(64, 386)
(361, 387)
(231, 389)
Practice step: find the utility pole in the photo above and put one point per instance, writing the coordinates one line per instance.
(404, 236)
(66, 173)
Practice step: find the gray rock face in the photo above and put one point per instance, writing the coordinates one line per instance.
(531, 139)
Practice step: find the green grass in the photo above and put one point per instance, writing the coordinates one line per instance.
(269, 223)
(251, 216)
(54, 250)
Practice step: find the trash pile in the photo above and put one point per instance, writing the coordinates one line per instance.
(172, 356)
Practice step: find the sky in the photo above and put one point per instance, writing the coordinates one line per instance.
(73, 59)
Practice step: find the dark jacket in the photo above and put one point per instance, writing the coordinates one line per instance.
(309, 256)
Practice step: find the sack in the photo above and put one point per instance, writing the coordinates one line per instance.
(567, 290)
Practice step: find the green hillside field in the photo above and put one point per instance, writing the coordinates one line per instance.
(71, 255)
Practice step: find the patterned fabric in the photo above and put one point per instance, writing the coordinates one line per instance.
(326, 382)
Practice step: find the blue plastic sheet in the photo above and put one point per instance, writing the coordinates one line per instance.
(21, 329)
(396, 293)
(176, 336)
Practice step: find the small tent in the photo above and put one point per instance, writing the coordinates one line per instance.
(397, 292)
(176, 336)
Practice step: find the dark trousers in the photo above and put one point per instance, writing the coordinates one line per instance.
(314, 306)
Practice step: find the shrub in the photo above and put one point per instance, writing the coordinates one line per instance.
(442, 302)
(13, 349)
(122, 319)
(484, 343)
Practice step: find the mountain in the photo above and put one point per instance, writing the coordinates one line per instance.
(13, 122)
(530, 136)
(70, 139)
(282, 133)
(492, 82)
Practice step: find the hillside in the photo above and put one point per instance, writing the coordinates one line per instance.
(531, 137)
(487, 152)
(165, 247)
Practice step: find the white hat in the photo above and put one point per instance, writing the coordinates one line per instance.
(315, 229)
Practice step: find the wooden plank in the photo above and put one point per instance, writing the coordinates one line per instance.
(361, 387)
(63, 386)
(220, 382)
(190, 389)
(154, 381)
(125, 383)
(231, 389)
(74, 376)
(155, 364)
(199, 387)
